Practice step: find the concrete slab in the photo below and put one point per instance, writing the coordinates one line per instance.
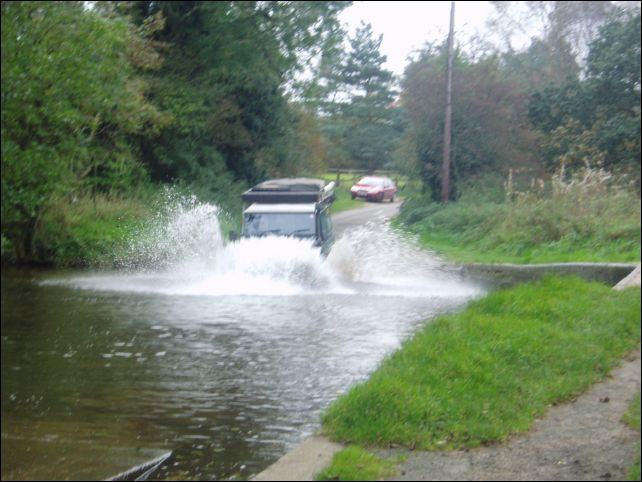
(631, 280)
(313, 455)
(504, 275)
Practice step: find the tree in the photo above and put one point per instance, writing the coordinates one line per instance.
(490, 127)
(362, 119)
(224, 82)
(596, 120)
(71, 103)
(559, 26)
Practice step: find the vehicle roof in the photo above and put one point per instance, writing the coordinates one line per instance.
(291, 184)
(258, 208)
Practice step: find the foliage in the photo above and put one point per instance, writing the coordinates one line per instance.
(479, 376)
(223, 82)
(596, 121)
(360, 119)
(590, 217)
(564, 27)
(90, 230)
(70, 104)
(95, 98)
(632, 418)
(355, 463)
(488, 129)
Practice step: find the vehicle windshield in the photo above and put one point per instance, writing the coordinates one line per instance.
(372, 181)
(279, 224)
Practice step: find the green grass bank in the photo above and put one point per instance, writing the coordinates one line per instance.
(479, 376)
(95, 231)
(356, 463)
(587, 218)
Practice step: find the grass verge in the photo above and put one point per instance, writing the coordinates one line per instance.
(479, 376)
(90, 231)
(585, 219)
(632, 418)
(343, 201)
(355, 463)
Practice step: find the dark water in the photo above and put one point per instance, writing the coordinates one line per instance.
(228, 364)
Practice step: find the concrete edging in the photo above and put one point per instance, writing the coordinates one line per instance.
(502, 275)
(313, 455)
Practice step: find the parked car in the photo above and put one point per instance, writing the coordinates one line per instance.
(374, 188)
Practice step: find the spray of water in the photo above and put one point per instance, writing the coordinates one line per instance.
(182, 252)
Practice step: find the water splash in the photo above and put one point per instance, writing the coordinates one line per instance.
(183, 231)
(183, 253)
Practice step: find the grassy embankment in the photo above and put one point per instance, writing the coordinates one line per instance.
(343, 200)
(478, 376)
(355, 463)
(95, 230)
(585, 219)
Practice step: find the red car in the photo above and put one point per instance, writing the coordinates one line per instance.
(374, 188)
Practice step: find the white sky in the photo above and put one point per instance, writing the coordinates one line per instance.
(406, 26)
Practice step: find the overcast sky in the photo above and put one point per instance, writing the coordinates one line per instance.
(406, 26)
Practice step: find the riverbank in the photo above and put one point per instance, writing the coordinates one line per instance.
(96, 231)
(479, 376)
(407, 472)
(583, 219)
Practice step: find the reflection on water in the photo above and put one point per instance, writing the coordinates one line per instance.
(224, 354)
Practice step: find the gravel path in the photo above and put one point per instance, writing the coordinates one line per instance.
(581, 440)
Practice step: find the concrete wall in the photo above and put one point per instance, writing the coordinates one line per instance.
(502, 275)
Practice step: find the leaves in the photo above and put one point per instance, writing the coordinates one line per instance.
(70, 101)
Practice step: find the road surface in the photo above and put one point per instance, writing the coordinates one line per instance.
(361, 215)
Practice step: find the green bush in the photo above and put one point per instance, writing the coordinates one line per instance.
(89, 231)
(590, 218)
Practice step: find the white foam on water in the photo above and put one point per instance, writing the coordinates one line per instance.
(183, 253)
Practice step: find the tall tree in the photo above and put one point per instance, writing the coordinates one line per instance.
(596, 120)
(490, 128)
(71, 103)
(224, 81)
(559, 25)
(363, 120)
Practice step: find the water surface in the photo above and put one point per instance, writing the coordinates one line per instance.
(225, 355)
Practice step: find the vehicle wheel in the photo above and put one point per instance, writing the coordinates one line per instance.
(352, 196)
(392, 198)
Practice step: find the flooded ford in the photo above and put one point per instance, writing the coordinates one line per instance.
(223, 354)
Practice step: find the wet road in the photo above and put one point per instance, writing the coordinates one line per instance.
(380, 212)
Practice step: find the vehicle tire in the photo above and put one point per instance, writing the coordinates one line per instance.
(352, 196)
(392, 198)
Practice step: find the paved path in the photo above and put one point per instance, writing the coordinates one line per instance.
(369, 211)
(581, 440)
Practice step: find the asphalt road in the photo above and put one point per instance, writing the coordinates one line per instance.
(369, 211)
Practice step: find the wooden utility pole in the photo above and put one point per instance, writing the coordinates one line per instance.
(445, 167)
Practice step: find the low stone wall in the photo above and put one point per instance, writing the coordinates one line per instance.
(503, 275)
